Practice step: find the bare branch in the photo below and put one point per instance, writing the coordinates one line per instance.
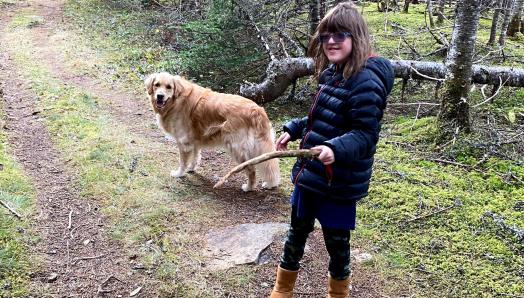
(489, 98)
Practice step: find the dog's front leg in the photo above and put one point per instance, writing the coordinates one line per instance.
(185, 154)
(195, 159)
(251, 179)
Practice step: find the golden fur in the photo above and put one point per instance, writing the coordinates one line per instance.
(198, 117)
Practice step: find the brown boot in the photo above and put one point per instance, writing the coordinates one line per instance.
(284, 284)
(338, 288)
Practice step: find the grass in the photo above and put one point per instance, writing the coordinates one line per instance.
(16, 235)
(459, 252)
(156, 218)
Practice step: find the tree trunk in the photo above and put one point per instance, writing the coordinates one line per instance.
(494, 23)
(430, 14)
(441, 17)
(514, 25)
(508, 9)
(322, 9)
(406, 6)
(281, 73)
(314, 8)
(454, 109)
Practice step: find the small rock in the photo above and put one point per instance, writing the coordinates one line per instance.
(265, 284)
(135, 292)
(363, 257)
(138, 266)
(86, 242)
(52, 277)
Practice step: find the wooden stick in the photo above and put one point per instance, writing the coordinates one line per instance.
(304, 153)
(12, 211)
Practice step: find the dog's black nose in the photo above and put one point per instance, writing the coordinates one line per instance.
(160, 97)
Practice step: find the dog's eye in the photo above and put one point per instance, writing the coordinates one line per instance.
(157, 85)
(169, 86)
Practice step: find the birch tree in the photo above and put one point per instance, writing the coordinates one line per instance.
(494, 22)
(314, 15)
(508, 9)
(454, 109)
(515, 24)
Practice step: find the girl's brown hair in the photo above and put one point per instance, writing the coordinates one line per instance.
(342, 18)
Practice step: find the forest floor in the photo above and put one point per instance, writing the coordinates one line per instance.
(107, 220)
(78, 257)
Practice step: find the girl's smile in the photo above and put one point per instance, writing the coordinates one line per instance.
(337, 52)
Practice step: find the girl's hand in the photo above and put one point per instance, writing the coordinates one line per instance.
(326, 155)
(282, 142)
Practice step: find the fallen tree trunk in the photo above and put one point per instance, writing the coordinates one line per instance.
(281, 73)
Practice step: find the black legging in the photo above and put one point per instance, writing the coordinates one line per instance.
(336, 240)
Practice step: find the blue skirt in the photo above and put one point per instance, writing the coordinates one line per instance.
(331, 214)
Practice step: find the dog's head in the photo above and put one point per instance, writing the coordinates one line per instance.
(163, 89)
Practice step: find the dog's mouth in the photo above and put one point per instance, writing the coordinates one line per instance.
(160, 103)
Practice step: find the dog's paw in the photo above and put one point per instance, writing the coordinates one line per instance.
(267, 185)
(177, 173)
(246, 187)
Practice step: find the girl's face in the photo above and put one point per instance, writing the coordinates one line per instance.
(337, 51)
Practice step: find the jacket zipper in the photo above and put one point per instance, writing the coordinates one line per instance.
(310, 120)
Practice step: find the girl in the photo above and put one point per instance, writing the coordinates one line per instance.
(343, 124)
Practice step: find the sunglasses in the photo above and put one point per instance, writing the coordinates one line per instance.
(337, 36)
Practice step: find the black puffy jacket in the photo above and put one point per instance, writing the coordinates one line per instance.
(345, 115)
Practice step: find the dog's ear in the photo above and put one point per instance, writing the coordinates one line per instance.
(177, 83)
(149, 83)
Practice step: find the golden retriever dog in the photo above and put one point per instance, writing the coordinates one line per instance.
(198, 117)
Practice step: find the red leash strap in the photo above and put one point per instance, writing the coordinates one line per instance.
(329, 173)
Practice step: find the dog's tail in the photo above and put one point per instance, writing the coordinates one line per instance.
(269, 170)
(261, 123)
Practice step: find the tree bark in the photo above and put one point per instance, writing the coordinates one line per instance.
(508, 9)
(494, 22)
(441, 17)
(406, 6)
(514, 25)
(314, 10)
(429, 9)
(281, 73)
(454, 108)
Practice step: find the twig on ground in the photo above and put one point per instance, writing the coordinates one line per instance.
(499, 221)
(457, 203)
(101, 286)
(11, 210)
(68, 257)
(75, 260)
(74, 229)
(501, 175)
(70, 218)
(304, 153)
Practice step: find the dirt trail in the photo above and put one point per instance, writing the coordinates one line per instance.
(79, 259)
(66, 221)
